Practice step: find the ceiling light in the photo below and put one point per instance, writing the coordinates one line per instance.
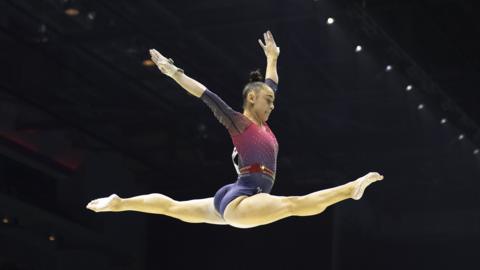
(72, 11)
(148, 63)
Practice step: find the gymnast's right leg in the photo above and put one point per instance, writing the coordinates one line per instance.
(192, 211)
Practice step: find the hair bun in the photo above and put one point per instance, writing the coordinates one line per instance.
(256, 76)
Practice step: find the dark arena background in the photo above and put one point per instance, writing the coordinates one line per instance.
(388, 86)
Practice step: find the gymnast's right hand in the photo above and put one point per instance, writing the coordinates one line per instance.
(165, 65)
(111, 203)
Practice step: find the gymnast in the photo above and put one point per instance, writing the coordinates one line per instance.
(247, 203)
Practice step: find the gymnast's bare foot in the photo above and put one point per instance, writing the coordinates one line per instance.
(111, 203)
(363, 182)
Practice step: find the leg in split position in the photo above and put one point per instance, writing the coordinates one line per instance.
(263, 208)
(242, 212)
(192, 211)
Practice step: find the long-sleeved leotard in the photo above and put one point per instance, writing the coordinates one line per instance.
(254, 144)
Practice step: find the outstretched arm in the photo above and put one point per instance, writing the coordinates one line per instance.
(167, 67)
(271, 52)
(230, 118)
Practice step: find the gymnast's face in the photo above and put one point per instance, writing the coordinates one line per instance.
(263, 103)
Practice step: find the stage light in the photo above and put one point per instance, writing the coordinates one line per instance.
(91, 15)
(51, 238)
(71, 7)
(358, 48)
(148, 63)
(72, 11)
(409, 87)
(5, 220)
(330, 20)
(388, 68)
(476, 151)
(420, 106)
(461, 136)
(443, 121)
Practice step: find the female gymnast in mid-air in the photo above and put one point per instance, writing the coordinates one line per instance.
(246, 203)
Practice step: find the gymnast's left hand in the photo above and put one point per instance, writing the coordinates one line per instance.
(269, 47)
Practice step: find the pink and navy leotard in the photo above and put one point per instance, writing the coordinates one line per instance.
(255, 145)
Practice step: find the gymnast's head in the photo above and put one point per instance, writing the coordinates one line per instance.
(258, 97)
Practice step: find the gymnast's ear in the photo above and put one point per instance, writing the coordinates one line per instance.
(251, 96)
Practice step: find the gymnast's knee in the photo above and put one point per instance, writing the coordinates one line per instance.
(298, 207)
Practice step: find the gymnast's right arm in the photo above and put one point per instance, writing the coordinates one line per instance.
(167, 67)
(192, 86)
(231, 119)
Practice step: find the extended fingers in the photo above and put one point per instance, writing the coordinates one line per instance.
(270, 37)
(261, 43)
(155, 52)
(160, 60)
(266, 38)
(156, 56)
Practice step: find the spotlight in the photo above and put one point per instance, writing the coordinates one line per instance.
(409, 87)
(51, 238)
(358, 48)
(148, 63)
(72, 11)
(388, 68)
(476, 151)
(330, 20)
(420, 106)
(91, 15)
(443, 121)
(71, 7)
(5, 220)
(461, 136)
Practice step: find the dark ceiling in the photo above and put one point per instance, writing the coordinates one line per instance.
(73, 88)
(441, 37)
(86, 71)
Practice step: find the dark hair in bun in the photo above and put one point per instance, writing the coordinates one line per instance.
(255, 83)
(256, 76)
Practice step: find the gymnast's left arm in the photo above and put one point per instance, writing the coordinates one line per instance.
(271, 52)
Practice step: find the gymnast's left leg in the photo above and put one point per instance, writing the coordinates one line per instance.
(263, 208)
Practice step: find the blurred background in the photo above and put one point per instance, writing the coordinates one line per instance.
(374, 85)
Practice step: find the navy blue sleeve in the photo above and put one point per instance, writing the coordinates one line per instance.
(234, 121)
(272, 84)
